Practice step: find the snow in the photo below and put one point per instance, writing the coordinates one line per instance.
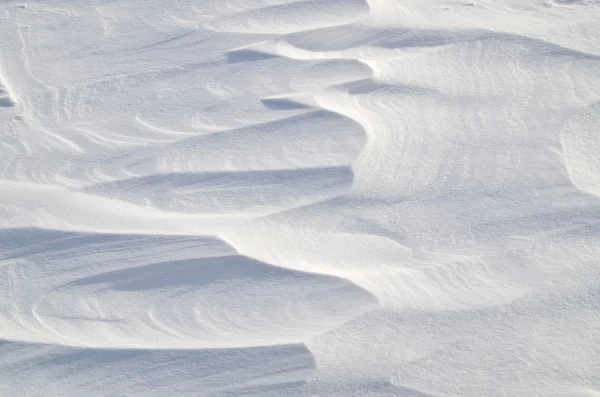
(300, 198)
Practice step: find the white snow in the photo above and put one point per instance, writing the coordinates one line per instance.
(300, 198)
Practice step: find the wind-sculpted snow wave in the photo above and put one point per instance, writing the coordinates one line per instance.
(299, 198)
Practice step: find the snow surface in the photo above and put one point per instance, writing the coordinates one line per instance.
(300, 198)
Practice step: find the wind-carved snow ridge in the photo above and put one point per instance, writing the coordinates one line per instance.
(300, 198)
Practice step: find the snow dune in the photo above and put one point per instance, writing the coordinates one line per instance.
(300, 198)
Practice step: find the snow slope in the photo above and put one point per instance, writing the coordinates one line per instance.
(300, 198)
